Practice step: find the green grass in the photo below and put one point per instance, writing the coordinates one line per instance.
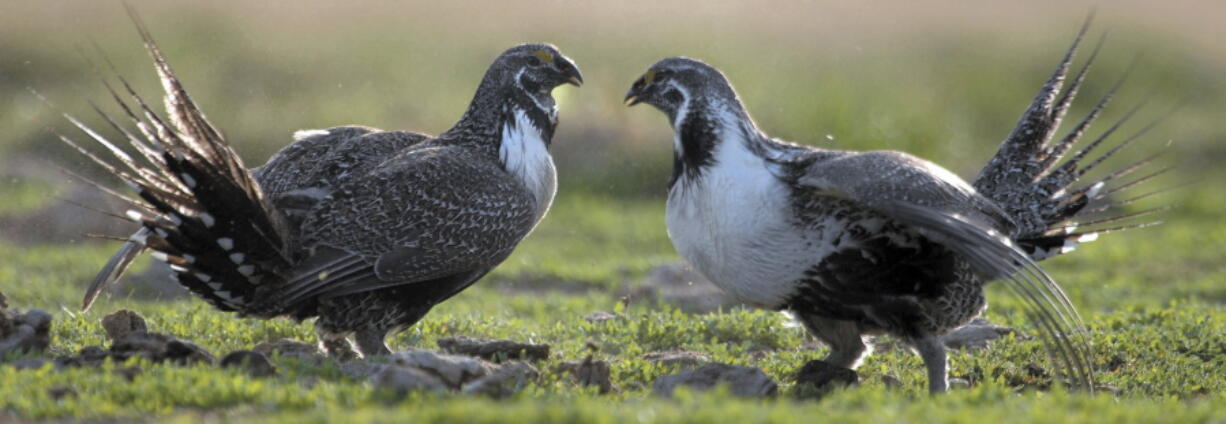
(944, 88)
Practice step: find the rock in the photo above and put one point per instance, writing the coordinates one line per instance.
(4, 301)
(405, 379)
(975, 335)
(87, 356)
(818, 378)
(255, 363)
(31, 363)
(183, 352)
(121, 323)
(682, 358)
(508, 379)
(24, 332)
(289, 348)
(678, 284)
(600, 316)
(590, 373)
(361, 369)
(160, 347)
(494, 350)
(454, 370)
(149, 345)
(742, 381)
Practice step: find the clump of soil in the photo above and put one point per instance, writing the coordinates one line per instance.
(25, 332)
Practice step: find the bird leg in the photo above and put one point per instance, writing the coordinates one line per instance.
(371, 342)
(847, 347)
(336, 344)
(932, 351)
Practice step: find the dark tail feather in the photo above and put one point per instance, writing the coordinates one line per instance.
(115, 267)
(200, 210)
(1032, 181)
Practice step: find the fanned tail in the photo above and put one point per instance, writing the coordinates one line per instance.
(200, 209)
(1048, 199)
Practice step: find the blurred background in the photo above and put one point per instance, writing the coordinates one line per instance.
(944, 80)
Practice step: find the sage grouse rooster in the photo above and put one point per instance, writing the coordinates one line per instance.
(365, 229)
(859, 243)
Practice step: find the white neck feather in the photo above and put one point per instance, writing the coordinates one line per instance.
(523, 153)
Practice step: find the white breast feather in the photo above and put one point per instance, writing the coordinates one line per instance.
(734, 225)
(524, 154)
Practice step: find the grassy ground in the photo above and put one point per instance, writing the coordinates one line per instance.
(944, 85)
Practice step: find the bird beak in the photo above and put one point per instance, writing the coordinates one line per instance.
(569, 71)
(632, 95)
(635, 93)
(632, 98)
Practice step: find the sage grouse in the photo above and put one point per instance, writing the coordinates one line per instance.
(860, 243)
(365, 229)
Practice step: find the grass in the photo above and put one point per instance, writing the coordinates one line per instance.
(944, 88)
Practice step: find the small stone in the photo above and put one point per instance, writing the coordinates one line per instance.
(494, 350)
(183, 352)
(255, 363)
(149, 345)
(683, 358)
(92, 352)
(742, 381)
(360, 369)
(405, 379)
(24, 332)
(121, 323)
(31, 363)
(817, 378)
(508, 379)
(599, 316)
(454, 370)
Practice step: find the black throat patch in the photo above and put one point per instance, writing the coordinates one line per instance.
(698, 136)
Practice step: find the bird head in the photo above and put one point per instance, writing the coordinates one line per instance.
(674, 84)
(534, 69)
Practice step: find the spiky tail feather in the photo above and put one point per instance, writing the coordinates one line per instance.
(200, 210)
(1027, 180)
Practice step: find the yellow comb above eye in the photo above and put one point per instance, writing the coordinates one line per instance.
(649, 76)
(544, 55)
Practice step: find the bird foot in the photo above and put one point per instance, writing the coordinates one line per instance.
(818, 378)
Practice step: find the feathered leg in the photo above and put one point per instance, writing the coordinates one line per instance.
(847, 347)
(932, 351)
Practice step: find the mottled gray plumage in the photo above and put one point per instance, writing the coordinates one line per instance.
(363, 228)
(858, 243)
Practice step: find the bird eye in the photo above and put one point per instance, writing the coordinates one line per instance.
(535, 61)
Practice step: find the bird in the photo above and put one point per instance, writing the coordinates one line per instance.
(364, 230)
(861, 243)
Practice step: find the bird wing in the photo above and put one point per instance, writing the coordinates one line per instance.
(943, 208)
(303, 173)
(424, 214)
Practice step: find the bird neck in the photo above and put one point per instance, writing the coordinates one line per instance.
(701, 127)
(495, 106)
